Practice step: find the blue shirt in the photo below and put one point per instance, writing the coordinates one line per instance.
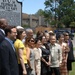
(11, 42)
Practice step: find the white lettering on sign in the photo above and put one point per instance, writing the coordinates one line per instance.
(8, 5)
(12, 11)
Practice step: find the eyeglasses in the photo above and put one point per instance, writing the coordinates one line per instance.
(14, 32)
(31, 40)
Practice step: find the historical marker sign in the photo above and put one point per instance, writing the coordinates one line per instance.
(11, 10)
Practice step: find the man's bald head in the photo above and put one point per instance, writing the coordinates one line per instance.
(29, 32)
(3, 23)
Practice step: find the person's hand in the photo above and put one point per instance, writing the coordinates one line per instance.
(30, 68)
(60, 64)
(24, 72)
(48, 63)
(65, 61)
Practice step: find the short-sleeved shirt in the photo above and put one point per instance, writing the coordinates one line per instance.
(56, 55)
(19, 45)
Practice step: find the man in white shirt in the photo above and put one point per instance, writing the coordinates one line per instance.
(56, 55)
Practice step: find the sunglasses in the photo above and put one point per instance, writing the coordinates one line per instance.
(66, 35)
(31, 40)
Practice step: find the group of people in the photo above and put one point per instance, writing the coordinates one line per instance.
(23, 54)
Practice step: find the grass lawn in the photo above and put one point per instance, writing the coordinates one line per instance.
(73, 69)
(73, 48)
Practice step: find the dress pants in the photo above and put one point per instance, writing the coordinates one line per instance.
(55, 70)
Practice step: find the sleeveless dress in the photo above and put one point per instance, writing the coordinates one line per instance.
(45, 55)
(32, 59)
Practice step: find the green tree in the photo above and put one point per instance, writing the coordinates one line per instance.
(66, 12)
(51, 6)
(50, 11)
(62, 10)
(25, 26)
(46, 14)
(72, 25)
(39, 12)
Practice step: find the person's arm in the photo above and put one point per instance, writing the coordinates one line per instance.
(66, 51)
(35, 66)
(4, 53)
(60, 55)
(49, 62)
(28, 56)
(44, 60)
(67, 48)
(20, 53)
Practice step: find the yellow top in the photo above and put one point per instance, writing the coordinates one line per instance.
(18, 45)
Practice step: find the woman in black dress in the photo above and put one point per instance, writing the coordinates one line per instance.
(45, 59)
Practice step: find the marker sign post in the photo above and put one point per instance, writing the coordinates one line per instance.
(12, 11)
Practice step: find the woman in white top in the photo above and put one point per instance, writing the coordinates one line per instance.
(38, 54)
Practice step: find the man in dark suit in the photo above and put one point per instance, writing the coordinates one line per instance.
(3, 24)
(1, 36)
(9, 64)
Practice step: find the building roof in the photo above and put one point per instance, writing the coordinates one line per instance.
(34, 17)
(26, 16)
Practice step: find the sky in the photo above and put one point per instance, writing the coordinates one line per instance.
(32, 6)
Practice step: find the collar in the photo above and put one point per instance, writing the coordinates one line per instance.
(9, 40)
(52, 44)
(2, 31)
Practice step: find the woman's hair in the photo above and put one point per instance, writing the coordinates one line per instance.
(19, 32)
(65, 33)
(36, 40)
(27, 40)
(41, 37)
(60, 35)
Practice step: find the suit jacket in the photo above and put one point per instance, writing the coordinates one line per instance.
(70, 54)
(9, 64)
(2, 36)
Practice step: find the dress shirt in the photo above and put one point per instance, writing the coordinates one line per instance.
(11, 42)
(2, 31)
(56, 55)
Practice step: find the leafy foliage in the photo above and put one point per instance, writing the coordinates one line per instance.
(72, 24)
(61, 10)
(25, 26)
(39, 12)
